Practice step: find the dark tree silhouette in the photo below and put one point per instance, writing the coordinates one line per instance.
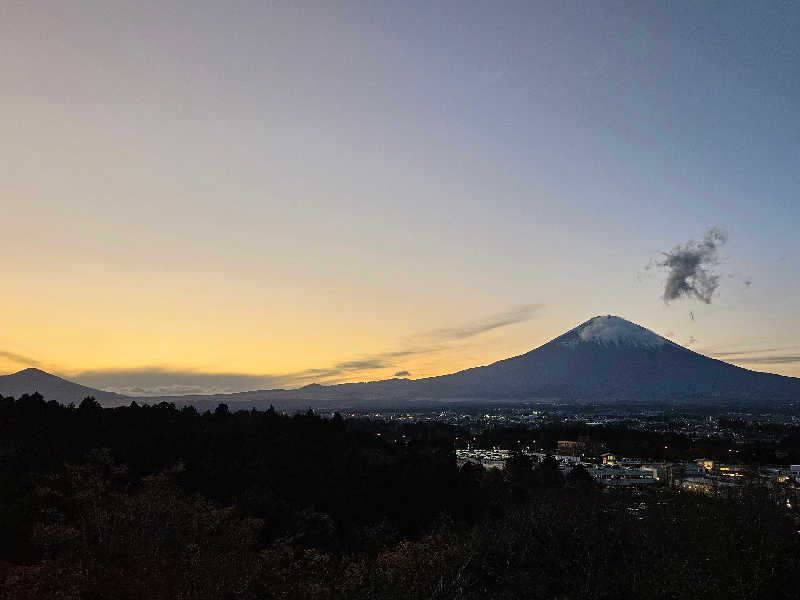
(161, 502)
(579, 477)
(548, 472)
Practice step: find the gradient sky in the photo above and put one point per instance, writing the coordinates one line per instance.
(218, 196)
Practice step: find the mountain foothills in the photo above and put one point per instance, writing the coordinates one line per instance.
(605, 359)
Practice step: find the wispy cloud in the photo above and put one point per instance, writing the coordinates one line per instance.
(367, 364)
(19, 359)
(774, 359)
(163, 381)
(760, 356)
(745, 352)
(518, 314)
(438, 340)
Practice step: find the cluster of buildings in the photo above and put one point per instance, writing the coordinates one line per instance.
(609, 471)
(708, 476)
(701, 476)
(739, 428)
(490, 459)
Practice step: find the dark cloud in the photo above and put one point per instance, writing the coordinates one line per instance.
(515, 315)
(402, 374)
(690, 268)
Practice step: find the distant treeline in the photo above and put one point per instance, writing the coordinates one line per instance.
(160, 502)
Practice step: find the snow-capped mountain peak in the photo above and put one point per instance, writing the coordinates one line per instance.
(610, 330)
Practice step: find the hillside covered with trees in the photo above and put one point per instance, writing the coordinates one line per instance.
(156, 502)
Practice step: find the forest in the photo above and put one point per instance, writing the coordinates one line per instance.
(160, 502)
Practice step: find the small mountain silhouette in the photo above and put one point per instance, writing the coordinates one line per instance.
(52, 387)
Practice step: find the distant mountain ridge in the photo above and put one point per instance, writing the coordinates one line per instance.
(607, 358)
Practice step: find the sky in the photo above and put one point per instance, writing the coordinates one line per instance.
(221, 196)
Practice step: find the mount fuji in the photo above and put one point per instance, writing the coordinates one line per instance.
(608, 357)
